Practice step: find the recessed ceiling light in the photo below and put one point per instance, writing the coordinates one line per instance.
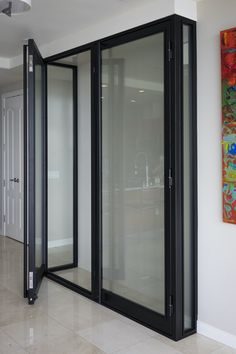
(141, 91)
(104, 85)
(133, 101)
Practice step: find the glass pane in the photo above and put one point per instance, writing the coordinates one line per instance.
(60, 166)
(187, 181)
(80, 272)
(84, 170)
(38, 167)
(133, 171)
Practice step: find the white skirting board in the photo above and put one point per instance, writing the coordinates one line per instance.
(60, 243)
(216, 334)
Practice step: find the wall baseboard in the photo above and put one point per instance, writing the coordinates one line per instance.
(216, 334)
(60, 243)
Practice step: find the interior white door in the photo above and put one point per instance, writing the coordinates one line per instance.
(13, 166)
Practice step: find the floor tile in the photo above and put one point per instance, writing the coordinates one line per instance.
(18, 311)
(113, 335)
(195, 344)
(34, 331)
(63, 322)
(225, 350)
(140, 327)
(80, 315)
(8, 346)
(67, 345)
(150, 346)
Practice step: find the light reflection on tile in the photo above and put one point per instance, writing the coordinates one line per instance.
(34, 331)
(113, 335)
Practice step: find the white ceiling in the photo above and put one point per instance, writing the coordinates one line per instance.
(10, 77)
(49, 20)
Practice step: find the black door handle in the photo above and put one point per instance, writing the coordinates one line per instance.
(16, 180)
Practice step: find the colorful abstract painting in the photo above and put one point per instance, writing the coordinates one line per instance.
(228, 71)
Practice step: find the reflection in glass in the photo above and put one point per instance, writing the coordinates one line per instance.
(60, 111)
(38, 167)
(60, 166)
(133, 171)
(188, 296)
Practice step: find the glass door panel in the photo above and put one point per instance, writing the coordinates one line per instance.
(35, 197)
(60, 166)
(69, 170)
(134, 165)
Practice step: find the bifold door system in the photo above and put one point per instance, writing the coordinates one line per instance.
(110, 169)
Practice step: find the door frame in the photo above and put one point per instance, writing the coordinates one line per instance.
(161, 322)
(175, 243)
(33, 273)
(3, 127)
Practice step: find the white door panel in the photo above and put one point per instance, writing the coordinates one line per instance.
(13, 166)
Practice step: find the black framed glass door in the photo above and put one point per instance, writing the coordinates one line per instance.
(122, 112)
(35, 170)
(135, 183)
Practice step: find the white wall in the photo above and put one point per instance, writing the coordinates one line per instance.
(217, 240)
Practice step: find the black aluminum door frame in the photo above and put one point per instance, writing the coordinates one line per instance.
(33, 275)
(175, 242)
(50, 270)
(135, 311)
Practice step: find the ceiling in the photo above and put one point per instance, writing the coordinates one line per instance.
(49, 20)
(10, 77)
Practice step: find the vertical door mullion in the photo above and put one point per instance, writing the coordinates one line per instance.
(75, 167)
(31, 180)
(96, 171)
(168, 174)
(35, 271)
(25, 55)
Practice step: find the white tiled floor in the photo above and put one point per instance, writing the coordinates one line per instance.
(63, 322)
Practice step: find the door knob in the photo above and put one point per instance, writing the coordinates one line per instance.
(16, 180)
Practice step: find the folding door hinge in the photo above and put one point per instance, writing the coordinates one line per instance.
(171, 306)
(170, 52)
(170, 178)
(31, 64)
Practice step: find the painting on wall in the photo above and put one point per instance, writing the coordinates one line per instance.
(228, 77)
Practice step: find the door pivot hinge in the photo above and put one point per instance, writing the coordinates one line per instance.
(171, 306)
(4, 183)
(170, 52)
(170, 178)
(31, 64)
(4, 218)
